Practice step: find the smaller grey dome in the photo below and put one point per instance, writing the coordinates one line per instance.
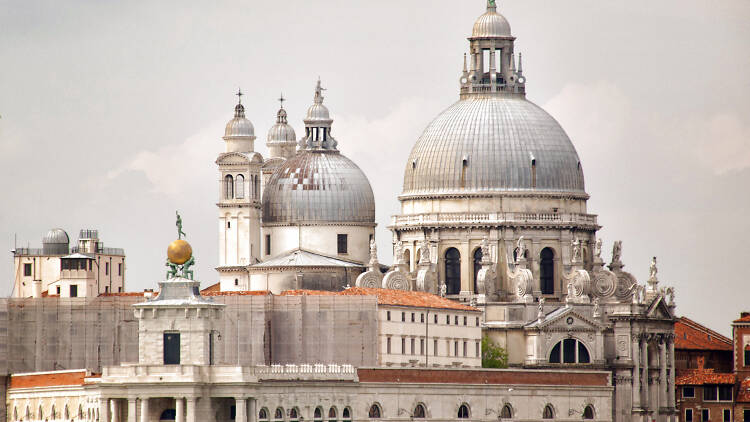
(317, 113)
(281, 132)
(239, 125)
(56, 236)
(490, 25)
(55, 242)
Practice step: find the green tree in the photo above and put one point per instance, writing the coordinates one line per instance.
(493, 356)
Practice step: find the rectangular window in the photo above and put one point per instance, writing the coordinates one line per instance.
(688, 392)
(455, 348)
(412, 317)
(436, 319)
(455, 321)
(705, 415)
(73, 290)
(465, 350)
(119, 269)
(421, 346)
(421, 317)
(448, 319)
(746, 415)
(477, 321)
(342, 240)
(211, 348)
(710, 393)
(268, 244)
(465, 320)
(447, 347)
(171, 348)
(688, 415)
(403, 346)
(727, 415)
(106, 268)
(388, 315)
(388, 345)
(412, 346)
(403, 316)
(477, 351)
(106, 289)
(434, 352)
(27, 270)
(58, 290)
(747, 356)
(725, 392)
(91, 262)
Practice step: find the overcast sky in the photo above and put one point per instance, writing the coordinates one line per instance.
(112, 115)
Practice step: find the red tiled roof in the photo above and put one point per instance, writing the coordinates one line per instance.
(48, 379)
(703, 376)
(693, 336)
(743, 394)
(237, 293)
(212, 288)
(390, 297)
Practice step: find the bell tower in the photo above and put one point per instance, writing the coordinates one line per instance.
(239, 201)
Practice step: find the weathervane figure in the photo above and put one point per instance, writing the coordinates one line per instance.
(180, 233)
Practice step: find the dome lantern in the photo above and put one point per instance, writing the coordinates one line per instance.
(239, 133)
(318, 124)
(281, 140)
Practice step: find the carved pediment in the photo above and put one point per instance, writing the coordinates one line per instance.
(239, 158)
(659, 309)
(566, 319)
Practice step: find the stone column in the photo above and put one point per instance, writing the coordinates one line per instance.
(671, 393)
(179, 409)
(644, 378)
(253, 416)
(104, 410)
(144, 409)
(240, 410)
(115, 409)
(636, 372)
(191, 416)
(663, 384)
(132, 406)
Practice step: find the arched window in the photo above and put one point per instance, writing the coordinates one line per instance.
(346, 415)
(27, 413)
(477, 267)
(318, 414)
(278, 415)
(463, 412)
(228, 187)
(419, 412)
(53, 413)
(332, 414)
(80, 411)
(407, 259)
(41, 413)
(548, 412)
(168, 415)
(569, 350)
(507, 412)
(588, 412)
(256, 182)
(239, 186)
(66, 413)
(15, 413)
(453, 271)
(293, 415)
(547, 271)
(263, 414)
(374, 412)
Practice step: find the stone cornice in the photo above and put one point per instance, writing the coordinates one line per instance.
(502, 194)
(318, 223)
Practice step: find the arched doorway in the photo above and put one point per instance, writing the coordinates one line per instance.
(452, 271)
(547, 271)
(477, 267)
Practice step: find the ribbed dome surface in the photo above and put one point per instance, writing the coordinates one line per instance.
(318, 187)
(239, 125)
(491, 24)
(281, 132)
(499, 138)
(317, 112)
(56, 236)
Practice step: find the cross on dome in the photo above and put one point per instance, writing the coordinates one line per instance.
(282, 99)
(239, 95)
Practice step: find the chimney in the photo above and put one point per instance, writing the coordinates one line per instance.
(744, 314)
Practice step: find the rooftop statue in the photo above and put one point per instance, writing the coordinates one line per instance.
(180, 255)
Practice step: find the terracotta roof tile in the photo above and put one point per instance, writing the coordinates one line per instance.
(390, 297)
(743, 394)
(745, 317)
(689, 335)
(48, 379)
(212, 288)
(703, 376)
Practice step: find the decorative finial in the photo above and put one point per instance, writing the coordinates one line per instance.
(282, 99)
(520, 63)
(491, 5)
(319, 93)
(239, 95)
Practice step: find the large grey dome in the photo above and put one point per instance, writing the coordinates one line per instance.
(493, 144)
(55, 242)
(490, 25)
(320, 186)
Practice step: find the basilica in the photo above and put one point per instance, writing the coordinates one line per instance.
(493, 240)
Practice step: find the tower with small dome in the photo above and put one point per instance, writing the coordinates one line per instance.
(239, 200)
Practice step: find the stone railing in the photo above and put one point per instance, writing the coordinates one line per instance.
(306, 371)
(508, 218)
